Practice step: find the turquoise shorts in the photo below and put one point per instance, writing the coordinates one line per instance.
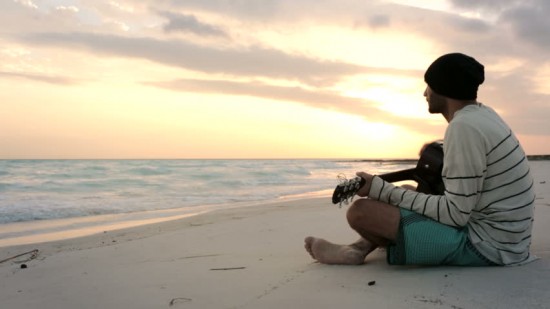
(423, 241)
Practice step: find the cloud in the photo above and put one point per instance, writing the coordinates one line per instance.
(317, 98)
(525, 110)
(492, 5)
(243, 8)
(531, 23)
(375, 21)
(476, 34)
(528, 19)
(379, 20)
(71, 8)
(253, 61)
(27, 3)
(57, 80)
(471, 25)
(189, 23)
(121, 7)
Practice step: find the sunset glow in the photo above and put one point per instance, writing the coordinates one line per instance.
(276, 79)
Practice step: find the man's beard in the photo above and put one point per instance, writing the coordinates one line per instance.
(436, 104)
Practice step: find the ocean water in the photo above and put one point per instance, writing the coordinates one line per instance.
(33, 190)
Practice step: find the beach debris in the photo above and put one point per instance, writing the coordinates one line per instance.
(33, 255)
(198, 256)
(179, 300)
(371, 283)
(427, 300)
(228, 268)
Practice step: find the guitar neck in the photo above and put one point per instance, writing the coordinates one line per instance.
(407, 174)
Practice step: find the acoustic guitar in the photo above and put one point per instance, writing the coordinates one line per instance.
(427, 174)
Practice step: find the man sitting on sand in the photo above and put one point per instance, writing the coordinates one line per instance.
(485, 216)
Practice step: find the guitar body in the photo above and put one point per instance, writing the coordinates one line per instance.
(428, 170)
(427, 174)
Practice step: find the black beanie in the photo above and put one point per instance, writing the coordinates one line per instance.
(456, 76)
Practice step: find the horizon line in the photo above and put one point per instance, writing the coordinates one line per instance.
(529, 157)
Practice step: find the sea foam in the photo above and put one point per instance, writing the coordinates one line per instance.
(53, 189)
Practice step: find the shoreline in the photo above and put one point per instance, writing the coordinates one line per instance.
(39, 231)
(126, 233)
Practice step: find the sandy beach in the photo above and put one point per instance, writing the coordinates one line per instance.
(253, 257)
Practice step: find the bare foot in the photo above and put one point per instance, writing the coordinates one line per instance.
(329, 253)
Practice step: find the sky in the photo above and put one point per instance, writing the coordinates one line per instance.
(277, 79)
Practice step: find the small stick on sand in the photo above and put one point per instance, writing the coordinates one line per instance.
(33, 253)
(179, 300)
(228, 268)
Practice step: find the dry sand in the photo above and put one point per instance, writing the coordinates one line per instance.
(253, 257)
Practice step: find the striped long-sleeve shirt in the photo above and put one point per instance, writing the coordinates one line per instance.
(489, 189)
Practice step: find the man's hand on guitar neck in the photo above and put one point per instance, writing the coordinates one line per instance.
(364, 190)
